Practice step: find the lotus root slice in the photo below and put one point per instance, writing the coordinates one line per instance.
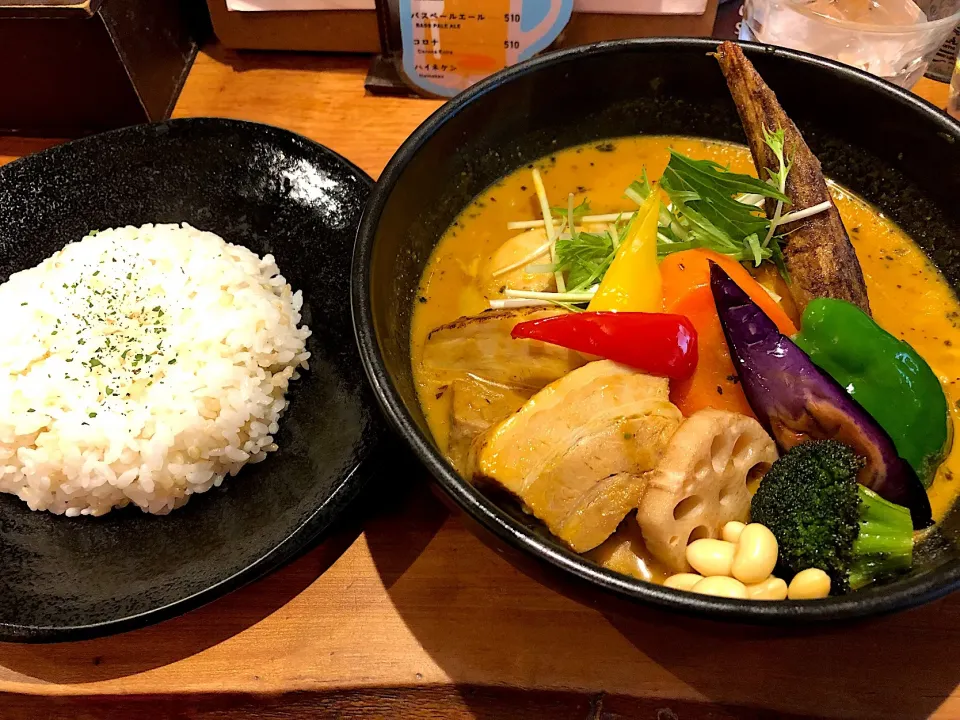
(705, 479)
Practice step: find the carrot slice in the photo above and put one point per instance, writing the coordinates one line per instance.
(686, 291)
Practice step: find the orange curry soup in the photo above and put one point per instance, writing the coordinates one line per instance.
(909, 298)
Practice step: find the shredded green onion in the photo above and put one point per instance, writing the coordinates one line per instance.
(709, 206)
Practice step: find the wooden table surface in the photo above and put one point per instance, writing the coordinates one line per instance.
(414, 617)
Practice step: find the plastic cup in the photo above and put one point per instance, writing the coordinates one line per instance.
(894, 39)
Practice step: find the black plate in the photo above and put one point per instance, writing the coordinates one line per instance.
(894, 149)
(273, 192)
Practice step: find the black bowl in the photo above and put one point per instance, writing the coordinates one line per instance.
(274, 192)
(892, 148)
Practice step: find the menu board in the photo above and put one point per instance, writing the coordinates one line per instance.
(449, 45)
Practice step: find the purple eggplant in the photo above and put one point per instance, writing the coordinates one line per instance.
(796, 401)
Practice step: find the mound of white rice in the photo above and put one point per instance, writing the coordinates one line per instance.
(142, 365)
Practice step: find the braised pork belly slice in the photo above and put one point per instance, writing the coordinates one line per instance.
(576, 452)
(475, 407)
(481, 346)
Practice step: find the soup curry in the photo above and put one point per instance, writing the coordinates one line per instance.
(907, 295)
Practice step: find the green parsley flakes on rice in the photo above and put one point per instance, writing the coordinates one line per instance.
(142, 365)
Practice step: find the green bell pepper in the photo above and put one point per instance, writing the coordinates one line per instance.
(885, 375)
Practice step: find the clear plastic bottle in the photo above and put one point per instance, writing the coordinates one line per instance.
(953, 104)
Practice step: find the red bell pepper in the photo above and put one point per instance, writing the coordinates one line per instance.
(657, 343)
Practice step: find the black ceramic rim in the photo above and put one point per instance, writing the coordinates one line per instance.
(898, 596)
(293, 545)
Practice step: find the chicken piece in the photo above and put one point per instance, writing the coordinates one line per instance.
(704, 480)
(474, 408)
(818, 253)
(518, 248)
(576, 452)
(625, 552)
(481, 346)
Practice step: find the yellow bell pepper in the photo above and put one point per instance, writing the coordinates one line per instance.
(632, 282)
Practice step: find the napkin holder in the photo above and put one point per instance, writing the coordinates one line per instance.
(73, 67)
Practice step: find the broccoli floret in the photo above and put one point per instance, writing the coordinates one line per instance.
(822, 517)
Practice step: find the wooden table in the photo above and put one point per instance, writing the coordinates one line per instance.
(414, 617)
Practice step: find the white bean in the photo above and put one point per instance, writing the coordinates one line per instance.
(711, 557)
(809, 584)
(756, 554)
(721, 586)
(682, 581)
(731, 531)
(773, 588)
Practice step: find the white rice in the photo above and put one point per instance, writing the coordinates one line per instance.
(142, 365)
